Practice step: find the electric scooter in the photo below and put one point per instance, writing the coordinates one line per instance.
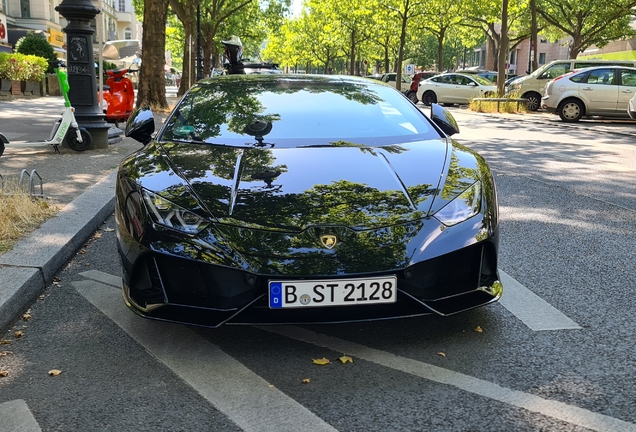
(79, 139)
(119, 95)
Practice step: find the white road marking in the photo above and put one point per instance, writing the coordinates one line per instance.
(15, 416)
(531, 309)
(102, 277)
(245, 397)
(558, 410)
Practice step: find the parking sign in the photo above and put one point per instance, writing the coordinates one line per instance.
(409, 69)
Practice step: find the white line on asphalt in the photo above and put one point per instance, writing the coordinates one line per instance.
(243, 396)
(15, 416)
(531, 309)
(558, 410)
(102, 277)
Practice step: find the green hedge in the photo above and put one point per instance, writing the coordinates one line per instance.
(21, 67)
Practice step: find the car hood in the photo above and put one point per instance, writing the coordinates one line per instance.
(292, 189)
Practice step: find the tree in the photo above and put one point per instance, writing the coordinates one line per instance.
(152, 87)
(588, 22)
(33, 44)
(405, 10)
(438, 18)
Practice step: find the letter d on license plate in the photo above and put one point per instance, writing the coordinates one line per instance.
(342, 292)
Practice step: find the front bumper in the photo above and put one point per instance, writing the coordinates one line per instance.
(177, 290)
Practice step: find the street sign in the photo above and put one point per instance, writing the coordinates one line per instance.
(409, 69)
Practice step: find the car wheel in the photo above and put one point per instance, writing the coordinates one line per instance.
(73, 142)
(429, 98)
(534, 101)
(412, 96)
(571, 110)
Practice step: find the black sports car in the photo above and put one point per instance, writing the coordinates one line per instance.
(303, 199)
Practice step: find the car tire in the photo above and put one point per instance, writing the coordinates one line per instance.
(429, 98)
(571, 110)
(534, 101)
(412, 96)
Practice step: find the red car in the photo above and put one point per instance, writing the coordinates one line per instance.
(412, 92)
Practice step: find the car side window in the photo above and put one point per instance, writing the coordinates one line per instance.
(628, 78)
(601, 76)
(463, 80)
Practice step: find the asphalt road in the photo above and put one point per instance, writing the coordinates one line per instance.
(556, 355)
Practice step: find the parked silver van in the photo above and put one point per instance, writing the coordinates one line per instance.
(532, 86)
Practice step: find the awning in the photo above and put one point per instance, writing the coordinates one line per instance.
(17, 33)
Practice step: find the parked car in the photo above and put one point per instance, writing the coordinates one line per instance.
(415, 82)
(299, 199)
(390, 78)
(532, 87)
(597, 91)
(631, 107)
(454, 88)
(489, 75)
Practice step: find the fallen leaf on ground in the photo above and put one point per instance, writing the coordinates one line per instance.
(4, 373)
(18, 334)
(82, 252)
(4, 353)
(306, 380)
(478, 329)
(345, 359)
(271, 386)
(322, 361)
(441, 354)
(97, 235)
(26, 316)
(109, 229)
(55, 372)
(87, 264)
(5, 342)
(57, 279)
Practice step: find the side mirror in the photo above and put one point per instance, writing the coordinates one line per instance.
(141, 125)
(444, 119)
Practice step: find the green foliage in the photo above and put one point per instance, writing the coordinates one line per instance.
(587, 22)
(38, 46)
(20, 67)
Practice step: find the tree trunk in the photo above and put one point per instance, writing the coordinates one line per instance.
(440, 50)
(398, 66)
(533, 35)
(352, 60)
(503, 49)
(151, 90)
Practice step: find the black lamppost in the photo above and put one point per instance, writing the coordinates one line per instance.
(199, 56)
(80, 65)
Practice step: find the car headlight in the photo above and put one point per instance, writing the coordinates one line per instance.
(465, 206)
(166, 213)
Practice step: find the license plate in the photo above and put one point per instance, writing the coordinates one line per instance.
(342, 292)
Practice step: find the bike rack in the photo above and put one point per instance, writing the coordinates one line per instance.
(32, 178)
(27, 181)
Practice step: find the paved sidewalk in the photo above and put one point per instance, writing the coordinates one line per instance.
(81, 183)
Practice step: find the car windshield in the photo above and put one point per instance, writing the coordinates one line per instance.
(289, 111)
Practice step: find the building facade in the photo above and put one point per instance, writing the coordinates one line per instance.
(117, 19)
(520, 56)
